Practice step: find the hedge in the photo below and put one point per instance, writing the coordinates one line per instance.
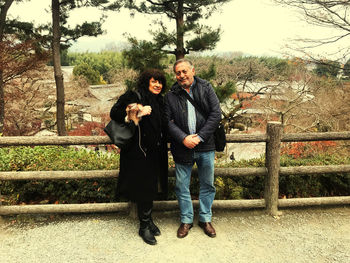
(46, 158)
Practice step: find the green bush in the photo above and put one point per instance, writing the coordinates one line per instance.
(290, 186)
(50, 158)
(102, 62)
(91, 75)
(315, 185)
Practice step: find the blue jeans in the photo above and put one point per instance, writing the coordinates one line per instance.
(205, 164)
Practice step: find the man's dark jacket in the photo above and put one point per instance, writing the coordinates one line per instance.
(177, 116)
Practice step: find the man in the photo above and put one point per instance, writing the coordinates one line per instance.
(192, 141)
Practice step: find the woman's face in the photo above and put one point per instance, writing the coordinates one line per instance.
(155, 86)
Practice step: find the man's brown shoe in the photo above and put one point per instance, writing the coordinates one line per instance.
(183, 230)
(208, 228)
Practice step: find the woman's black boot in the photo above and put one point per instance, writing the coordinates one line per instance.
(144, 211)
(154, 229)
(147, 235)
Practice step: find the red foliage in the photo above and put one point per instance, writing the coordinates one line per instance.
(28, 127)
(88, 129)
(92, 129)
(306, 149)
(18, 57)
(23, 97)
(245, 99)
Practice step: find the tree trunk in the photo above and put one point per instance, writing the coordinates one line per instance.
(2, 104)
(180, 50)
(60, 116)
(3, 14)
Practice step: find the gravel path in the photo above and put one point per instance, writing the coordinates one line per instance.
(301, 235)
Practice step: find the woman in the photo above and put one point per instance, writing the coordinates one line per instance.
(144, 163)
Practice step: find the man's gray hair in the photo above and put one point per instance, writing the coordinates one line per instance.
(182, 60)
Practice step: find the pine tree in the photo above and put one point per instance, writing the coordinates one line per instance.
(186, 14)
(62, 36)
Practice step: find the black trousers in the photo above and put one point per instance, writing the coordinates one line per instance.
(144, 212)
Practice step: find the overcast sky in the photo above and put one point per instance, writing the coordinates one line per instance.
(254, 27)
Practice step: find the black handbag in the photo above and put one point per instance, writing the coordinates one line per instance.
(121, 133)
(219, 133)
(220, 138)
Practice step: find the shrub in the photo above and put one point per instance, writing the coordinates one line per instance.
(88, 129)
(290, 186)
(315, 185)
(92, 76)
(306, 149)
(51, 158)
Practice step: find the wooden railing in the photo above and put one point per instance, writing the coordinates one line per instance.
(273, 138)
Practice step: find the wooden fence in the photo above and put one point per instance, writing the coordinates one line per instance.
(273, 138)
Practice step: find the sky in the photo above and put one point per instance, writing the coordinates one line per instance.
(253, 27)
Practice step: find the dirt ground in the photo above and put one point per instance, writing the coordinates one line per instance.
(299, 235)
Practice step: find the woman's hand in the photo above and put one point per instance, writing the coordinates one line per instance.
(144, 110)
(131, 113)
(136, 111)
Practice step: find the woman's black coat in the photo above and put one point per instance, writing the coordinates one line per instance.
(143, 172)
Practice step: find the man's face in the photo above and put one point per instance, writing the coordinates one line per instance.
(184, 73)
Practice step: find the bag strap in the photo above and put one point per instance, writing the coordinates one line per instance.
(138, 94)
(138, 126)
(194, 103)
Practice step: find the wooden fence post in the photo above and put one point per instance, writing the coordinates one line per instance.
(133, 210)
(1, 219)
(272, 162)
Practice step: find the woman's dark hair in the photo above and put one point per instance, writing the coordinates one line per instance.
(145, 76)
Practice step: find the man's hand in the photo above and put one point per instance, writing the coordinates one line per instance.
(191, 141)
